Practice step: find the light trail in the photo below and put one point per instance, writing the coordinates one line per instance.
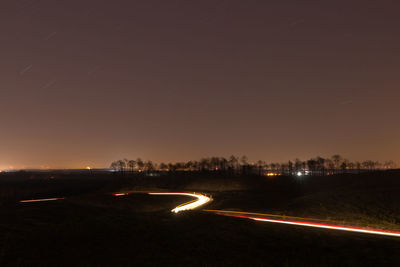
(322, 225)
(270, 215)
(41, 200)
(120, 194)
(201, 200)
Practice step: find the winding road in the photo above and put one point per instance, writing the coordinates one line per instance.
(201, 199)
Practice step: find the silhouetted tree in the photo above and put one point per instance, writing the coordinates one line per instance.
(204, 164)
(370, 164)
(148, 166)
(131, 165)
(224, 164)
(214, 163)
(196, 165)
(312, 165)
(351, 165)
(330, 165)
(244, 160)
(298, 164)
(163, 166)
(337, 159)
(358, 166)
(139, 164)
(266, 166)
(121, 165)
(389, 164)
(233, 163)
(260, 167)
(272, 166)
(290, 167)
(114, 165)
(316, 165)
(320, 165)
(344, 165)
(284, 168)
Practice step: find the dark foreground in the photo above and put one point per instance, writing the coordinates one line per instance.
(93, 228)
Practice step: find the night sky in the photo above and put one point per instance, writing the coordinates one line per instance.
(83, 83)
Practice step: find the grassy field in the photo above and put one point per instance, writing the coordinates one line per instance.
(93, 228)
(371, 200)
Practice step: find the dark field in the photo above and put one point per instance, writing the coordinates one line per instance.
(93, 228)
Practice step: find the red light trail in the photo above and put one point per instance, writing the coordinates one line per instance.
(314, 224)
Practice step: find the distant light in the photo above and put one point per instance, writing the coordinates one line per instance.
(299, 173)
(88, 168)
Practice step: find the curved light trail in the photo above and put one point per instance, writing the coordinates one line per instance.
(41, 200)
(201, 200)
(311, 224)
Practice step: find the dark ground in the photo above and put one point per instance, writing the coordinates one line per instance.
(92, 228)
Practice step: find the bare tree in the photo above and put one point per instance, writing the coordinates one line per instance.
(389, 164)
(233, 162)
(244, 160)
(298, 164)
(260, 166)
(114, 165)
(290, 167)
(171, 167)
(163, 166)
(204, 164)
(148, 166)
(224, 164)
(266, 166)
(330, 165)
(121, 165)
(214, 162)
(272, 166)
(358, 166)
(131, 165)
(337, 159)
(344, 165)
(139, 164)
(196, 165)
(312, 165)
(320, 164)
(368, 164)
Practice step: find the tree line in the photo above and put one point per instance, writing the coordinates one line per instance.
(241, 165)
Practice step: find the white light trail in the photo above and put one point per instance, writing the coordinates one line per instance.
(41, 200)
(120, 194)
(201, 200)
